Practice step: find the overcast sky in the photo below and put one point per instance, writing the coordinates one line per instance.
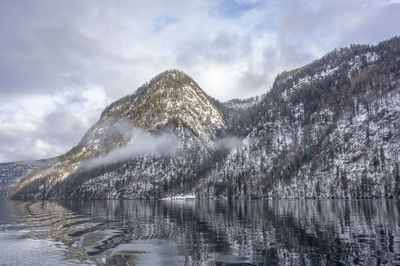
(62, 62)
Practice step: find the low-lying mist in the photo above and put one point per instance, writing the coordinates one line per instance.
(228, 143)
(140, 143)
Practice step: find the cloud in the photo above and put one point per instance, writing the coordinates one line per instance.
(234, 8)
(163, 21)
(141, 143)
(35, 127)
(63, 62)
(228, 143)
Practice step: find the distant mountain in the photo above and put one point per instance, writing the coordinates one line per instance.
(11, 173)
(242, 103)
(328, 129)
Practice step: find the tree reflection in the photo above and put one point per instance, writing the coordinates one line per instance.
(258, 232)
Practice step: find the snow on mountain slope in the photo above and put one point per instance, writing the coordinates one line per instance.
(325, 130)
(171, 103)
(328, 130)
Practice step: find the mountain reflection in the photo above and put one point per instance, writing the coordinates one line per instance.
(259, 232)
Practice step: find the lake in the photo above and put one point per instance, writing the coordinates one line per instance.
(200, 232)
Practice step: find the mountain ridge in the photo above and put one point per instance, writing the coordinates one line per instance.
(305, 125)
(328, 118)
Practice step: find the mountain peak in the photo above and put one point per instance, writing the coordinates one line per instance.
(170, 97)
(173, 74)
(173, 79)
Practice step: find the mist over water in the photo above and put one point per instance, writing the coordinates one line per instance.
(257, 232)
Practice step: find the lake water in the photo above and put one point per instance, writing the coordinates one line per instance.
(257, 232)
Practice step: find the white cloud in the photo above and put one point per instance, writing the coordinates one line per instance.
(228, 143)
(140, 144)
(42, 126)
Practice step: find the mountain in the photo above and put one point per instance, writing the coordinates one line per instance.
(142, 144)
(12, 172)
(327, 130)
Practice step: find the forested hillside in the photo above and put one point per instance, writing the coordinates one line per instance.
(329, 129)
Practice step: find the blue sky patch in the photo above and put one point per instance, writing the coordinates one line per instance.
(234, 8)
(161, 22)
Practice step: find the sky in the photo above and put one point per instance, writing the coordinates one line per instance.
(63, 62)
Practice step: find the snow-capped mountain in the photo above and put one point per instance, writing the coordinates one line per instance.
(328, 129)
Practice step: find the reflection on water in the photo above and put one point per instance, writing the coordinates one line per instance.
(259, 232)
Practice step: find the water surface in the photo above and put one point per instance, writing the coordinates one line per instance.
(201, 232)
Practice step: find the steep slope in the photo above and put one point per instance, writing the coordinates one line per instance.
(170, 110)
(328, 129)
